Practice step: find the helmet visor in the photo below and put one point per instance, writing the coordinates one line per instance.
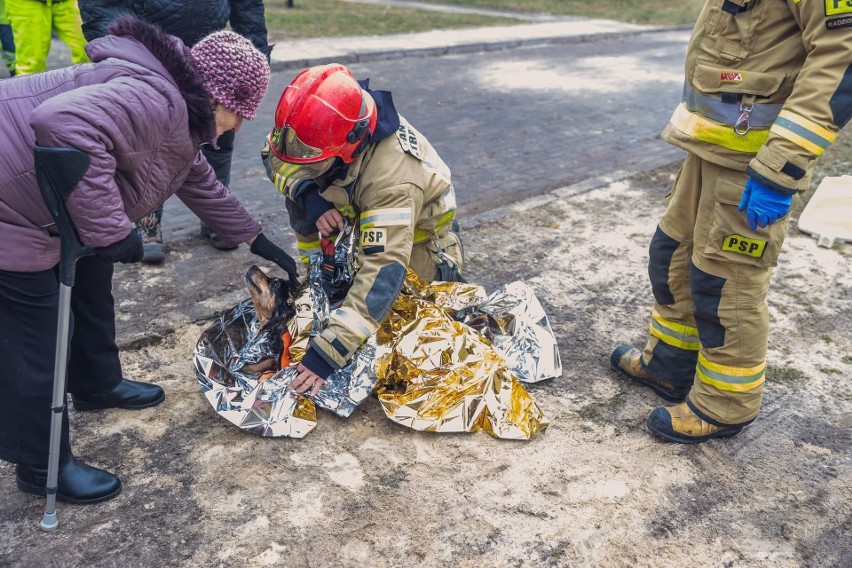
(287, 143)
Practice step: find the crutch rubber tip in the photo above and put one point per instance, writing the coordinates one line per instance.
(49, 522)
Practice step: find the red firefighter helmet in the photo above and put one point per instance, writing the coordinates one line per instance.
(323, 113)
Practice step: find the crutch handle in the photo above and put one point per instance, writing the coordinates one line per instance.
(58, 170)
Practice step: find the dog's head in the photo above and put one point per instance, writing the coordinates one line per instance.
(273, 298)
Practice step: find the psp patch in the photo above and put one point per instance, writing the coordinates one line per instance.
(373, 240)
(838, 7)
(743, 245)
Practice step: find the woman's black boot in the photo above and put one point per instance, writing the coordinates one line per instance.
(78, 483)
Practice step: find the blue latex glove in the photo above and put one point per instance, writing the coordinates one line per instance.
(762, 205)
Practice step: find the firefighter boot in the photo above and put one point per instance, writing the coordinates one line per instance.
(680, 424)
(628, 361)
(153, 251)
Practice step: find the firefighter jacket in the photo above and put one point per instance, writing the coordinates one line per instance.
(399, 194)
(768, 86)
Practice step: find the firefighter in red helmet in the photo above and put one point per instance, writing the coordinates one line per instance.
(340, 153)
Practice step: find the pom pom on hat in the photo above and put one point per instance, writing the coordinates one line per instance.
(236, 74)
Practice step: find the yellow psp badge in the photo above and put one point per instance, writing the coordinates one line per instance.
(838, 7)
(743, 245)
(373, 237)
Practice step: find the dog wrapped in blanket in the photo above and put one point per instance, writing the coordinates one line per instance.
(274, 305)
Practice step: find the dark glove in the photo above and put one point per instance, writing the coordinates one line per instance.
(128, 249)
(763, 205)
(264, 248)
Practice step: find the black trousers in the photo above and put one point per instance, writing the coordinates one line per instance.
(220, 159)
(29, 304)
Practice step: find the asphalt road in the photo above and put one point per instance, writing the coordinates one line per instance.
(513, 123)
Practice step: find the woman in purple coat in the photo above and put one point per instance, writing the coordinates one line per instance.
(141, 112)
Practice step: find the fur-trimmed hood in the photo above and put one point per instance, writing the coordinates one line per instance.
(133, 40)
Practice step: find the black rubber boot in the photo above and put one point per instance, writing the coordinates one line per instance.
(131, 395)
(77, 483)
(627, 360)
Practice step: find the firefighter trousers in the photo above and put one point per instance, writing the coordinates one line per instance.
(710, 275)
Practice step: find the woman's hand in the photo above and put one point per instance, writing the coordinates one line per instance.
(263, 247)
(306, 379)
(330, 222)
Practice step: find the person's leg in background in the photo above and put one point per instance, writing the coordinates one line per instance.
(220, 160)
(28, 317)
(31, 28)
(69, 27)
(7, 41)
(151, 229)
(95, 379)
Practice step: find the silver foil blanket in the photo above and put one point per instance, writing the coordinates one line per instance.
(423, 369)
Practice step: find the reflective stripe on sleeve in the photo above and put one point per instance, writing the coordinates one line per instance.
(674, 334)
(386, 217)
(803, 132)
(354, 322)
(733, 379)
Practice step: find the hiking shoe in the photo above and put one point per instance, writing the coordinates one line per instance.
(627, 360)
(214, 239)
(681, 425)
(149, 227)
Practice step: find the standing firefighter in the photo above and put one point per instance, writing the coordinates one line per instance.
(340, 151)
(768, 86)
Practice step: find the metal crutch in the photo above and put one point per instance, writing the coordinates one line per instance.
(58, 170)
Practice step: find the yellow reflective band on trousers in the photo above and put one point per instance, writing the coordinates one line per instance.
(803, 132)
(700, 128)
(308, 248)
(674, 334)
(423, 235)
(733, 379)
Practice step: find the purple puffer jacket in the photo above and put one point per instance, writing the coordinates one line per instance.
(140, 112)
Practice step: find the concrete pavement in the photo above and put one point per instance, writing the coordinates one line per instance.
(359, 49)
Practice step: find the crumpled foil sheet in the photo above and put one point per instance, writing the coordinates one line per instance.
(447, 359)
(266, 407)
(515, 323)
(440, 375)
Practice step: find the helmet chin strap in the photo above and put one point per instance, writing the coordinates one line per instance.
(365, 141)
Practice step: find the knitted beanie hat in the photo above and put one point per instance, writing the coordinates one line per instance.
(235, 73)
